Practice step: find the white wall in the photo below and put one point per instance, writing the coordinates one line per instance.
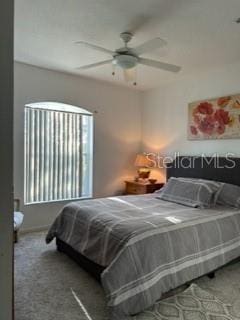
(6, 159)
(117, 130)
(164, 113)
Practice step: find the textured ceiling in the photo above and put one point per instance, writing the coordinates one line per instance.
(200, 34)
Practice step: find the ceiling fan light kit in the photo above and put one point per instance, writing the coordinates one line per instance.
(125, 61)
(128, 58)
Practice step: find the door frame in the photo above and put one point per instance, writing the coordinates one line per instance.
(6, 159)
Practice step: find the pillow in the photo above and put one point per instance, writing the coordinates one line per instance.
(214, 185)
(228, 195)
(196, 193)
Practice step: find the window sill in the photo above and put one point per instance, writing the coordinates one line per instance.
(59, 201)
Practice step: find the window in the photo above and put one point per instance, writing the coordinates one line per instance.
(58, 152)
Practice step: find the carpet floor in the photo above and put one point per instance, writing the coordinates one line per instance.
(49, 285)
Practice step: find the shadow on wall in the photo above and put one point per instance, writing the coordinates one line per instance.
(113, 161)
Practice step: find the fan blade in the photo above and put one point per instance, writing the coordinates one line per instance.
(97, 64)
(129, 74)
(150, 46)
(93, 46)
(159, 65)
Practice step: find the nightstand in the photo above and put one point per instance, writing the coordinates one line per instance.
(133, 187)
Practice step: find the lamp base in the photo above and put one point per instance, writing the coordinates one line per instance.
(143, 173)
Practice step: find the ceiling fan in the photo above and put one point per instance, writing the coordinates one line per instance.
(128, 58)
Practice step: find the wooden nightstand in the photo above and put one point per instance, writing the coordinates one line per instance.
(133, 187)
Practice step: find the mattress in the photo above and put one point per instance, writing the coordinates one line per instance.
(148, 246)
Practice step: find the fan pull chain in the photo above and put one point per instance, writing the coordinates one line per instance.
(113, 69)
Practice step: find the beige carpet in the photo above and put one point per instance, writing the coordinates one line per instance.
(49, 285)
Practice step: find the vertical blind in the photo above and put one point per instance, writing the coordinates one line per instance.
(56, 155)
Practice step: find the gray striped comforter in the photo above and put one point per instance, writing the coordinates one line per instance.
(147, 245)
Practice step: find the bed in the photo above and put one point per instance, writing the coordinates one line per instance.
(140, 247)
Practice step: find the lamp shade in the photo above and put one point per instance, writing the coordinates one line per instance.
(142, 161)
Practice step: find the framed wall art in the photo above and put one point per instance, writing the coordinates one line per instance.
(214, 118)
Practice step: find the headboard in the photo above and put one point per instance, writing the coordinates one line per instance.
(224, 169)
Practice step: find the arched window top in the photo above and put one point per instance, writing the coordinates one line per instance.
(57, 106)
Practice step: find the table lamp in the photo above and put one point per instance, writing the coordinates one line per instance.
(143, 164)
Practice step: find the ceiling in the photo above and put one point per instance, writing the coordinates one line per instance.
(201, 34)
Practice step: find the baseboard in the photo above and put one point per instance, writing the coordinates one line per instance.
(34, 229)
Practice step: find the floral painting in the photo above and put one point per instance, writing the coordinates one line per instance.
(214, 118)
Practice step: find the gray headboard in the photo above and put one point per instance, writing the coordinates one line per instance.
(224, 169)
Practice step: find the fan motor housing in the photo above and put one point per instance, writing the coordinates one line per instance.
(125, 61)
